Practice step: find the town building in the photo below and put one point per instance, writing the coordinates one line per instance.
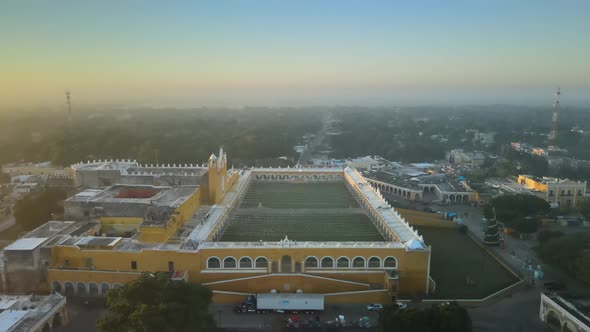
(563, 192)
(46, 169)
(322, 231)
(32, 313)
(418, 182)
(565, 314)
(469, 158)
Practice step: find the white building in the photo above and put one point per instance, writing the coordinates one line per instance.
(563, 314)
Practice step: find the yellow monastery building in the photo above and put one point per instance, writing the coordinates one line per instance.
(239, 232)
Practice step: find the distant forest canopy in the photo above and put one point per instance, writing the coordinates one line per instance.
(171, 136)
(408, 134)
(412, 134)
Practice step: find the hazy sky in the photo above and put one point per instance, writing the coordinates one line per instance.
(293, 52)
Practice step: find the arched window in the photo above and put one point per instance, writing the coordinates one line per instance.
(311, 262)
(68, 288)
(56, 287)
(80, 288)
(117, 286)
(104, 288)
(93, 289)
(245, 263)
(358, 262)
(390, 263)
(343, 262)
(229, 263)
(374, 262)
(261, 262)
(213, 263)
(327, 262)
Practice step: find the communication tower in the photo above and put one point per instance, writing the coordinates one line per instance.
(554, 119)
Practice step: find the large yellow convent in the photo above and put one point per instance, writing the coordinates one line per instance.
(238, 232)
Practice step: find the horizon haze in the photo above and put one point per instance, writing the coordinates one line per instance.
(183, 54)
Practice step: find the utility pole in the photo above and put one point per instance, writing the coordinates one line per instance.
(555, 120)
(69, 104)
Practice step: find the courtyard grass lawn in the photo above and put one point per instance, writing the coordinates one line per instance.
(456, 258)
(302, 212)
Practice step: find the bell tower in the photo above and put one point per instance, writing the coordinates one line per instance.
(217, 176)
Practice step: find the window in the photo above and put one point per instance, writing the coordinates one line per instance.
(229, 263)
(569, 192)
(171, 267)
(550, 193)
(390, 263)
(133, 265)
(245, 263)
(311, 262)
(213, 263)
(374, 262)
(343, 262)
(327, 262)
(358, 262)
(261, 262)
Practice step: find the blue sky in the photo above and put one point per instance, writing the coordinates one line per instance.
(299, 52)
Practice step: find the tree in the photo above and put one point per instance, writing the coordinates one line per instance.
(449, 317)
(563, 251)
(157, 303)
(36, 209)
(512, 210)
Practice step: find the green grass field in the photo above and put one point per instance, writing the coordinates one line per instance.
(300, 211)
(455, 258)
(298, 195)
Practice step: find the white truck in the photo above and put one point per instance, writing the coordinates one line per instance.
(290, 302)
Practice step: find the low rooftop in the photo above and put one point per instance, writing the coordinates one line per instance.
(144, 194)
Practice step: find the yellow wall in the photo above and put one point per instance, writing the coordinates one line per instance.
(412, 268)
(158, 234)
(418, 218)
(542, 187)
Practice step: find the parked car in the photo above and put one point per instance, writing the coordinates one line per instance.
(375, 307)
(401, 305)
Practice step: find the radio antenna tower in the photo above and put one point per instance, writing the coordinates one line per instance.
(69, 104)
(554, 119)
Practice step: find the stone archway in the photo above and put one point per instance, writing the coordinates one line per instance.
(68, 288)
(56, 287)
(553, 320)
(286, 264)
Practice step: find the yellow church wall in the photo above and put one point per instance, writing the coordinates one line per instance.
(107, 260)
(412, 266)
(287, 283)
(98, 277)
(426, 219)
(159, 234)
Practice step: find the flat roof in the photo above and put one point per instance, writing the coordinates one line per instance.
(391, 217)
(29, 243)
(9, 318)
